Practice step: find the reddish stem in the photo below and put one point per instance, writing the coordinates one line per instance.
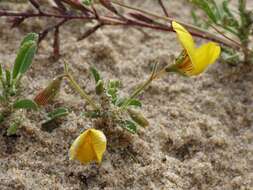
(117, 19)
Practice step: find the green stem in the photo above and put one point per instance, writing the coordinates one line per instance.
(83, 94)
(154, 75)
(140, 89)
(148, 82)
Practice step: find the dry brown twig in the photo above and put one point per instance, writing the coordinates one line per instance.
(68, 10)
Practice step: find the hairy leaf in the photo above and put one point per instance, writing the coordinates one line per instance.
(25, 104)
(95, 74)
(87, 2)
(206, 7)
(52, 123)
(12, 130)
(8, 77)
(134, 102)
(59, 112)
(49, 125)
(100, 87)
(112, 90)
(130, 126)
(92, 114)
(24, 58)
(119, 102)
(1, 71)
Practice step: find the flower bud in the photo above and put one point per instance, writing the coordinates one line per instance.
(89, 146)
(99, 87)
(138, 118)
(49, 93)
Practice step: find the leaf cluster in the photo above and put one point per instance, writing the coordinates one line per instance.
(113, 106)
(238, 23)
(10, 80)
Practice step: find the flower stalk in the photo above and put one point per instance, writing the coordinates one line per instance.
(82, 93)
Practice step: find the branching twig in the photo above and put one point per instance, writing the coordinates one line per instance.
(136, 18)
(163, 8)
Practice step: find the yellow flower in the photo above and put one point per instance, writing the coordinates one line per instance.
(89, 146)
(193, 60)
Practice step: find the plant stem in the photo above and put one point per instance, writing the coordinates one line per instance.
(116, 20)
(142, 86)
(163, 8)
(83, 94)
(195, 31)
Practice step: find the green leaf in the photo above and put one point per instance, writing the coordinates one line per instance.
(2, 99)
(115, 84)
(87, 2)
(25, 104)
(2, 77)
(92, 114)
(95, 74)
(1, 71)
(24, 58)
(100, 87)
(52, 123)
(205, 6)
(226, 9)
(59, 112)
(1, 118)
(12, 130)
(130, 126)
(28, 59)
(120, 101)
(134, 102)
(131, 102)
(8, 77)
(30, 37)
(112, 90)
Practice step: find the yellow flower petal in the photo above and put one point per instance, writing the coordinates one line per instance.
(89, 146)
(204, 56)
(184, 37)
(195, 60)
(98, 143)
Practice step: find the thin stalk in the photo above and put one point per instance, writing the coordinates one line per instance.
(75, 85)
(142, 87)
(163, 8)
(225, 36)
(83, 94)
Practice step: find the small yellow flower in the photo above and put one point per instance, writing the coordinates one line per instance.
(193, 60)
(89, 146)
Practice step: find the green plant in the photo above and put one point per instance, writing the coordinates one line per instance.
(11, 82)
(228, 22)
(45, 97)
(111, 108)
(52, 117)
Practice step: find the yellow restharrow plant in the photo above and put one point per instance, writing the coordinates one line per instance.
(88, 147)
(91, 144)
(193, 60)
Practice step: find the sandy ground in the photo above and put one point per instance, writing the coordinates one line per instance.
(201, 132)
